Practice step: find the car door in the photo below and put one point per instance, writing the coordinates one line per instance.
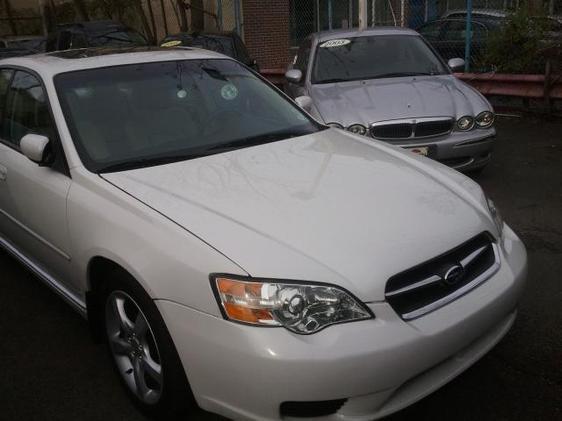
(32, 197)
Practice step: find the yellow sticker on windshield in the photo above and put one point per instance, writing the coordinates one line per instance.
(335, 43)
(173, 43)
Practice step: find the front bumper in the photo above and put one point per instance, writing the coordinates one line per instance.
(379, 365)
(463, 151)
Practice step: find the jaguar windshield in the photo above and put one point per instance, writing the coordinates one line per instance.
(148, 114)
(372, 57)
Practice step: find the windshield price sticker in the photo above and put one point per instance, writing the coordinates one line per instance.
(335, 43)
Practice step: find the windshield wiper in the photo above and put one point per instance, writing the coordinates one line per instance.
(334, 80)
(258, 140)
(205, 151)
(148, 162)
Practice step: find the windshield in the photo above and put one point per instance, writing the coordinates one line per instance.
(371, 57)
(152, 113)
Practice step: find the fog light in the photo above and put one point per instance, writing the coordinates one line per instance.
(357, 129)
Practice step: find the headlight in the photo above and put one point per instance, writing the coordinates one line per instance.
(335, 125)
(465, 123)
(357, 129)
(496, 215)
(299, 307)
(485, 119)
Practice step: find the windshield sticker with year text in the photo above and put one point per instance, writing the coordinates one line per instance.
(335, 43)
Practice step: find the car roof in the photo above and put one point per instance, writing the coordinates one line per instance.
(352, 33)
(57, 62)
(484, 12)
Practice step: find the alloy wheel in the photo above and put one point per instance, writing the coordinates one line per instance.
(134, 347)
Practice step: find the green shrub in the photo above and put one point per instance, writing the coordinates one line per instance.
(518, 46)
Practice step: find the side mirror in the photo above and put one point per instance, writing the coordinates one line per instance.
(305, 102)
(37, 148)
(456, 64)
(293, 76)
(254, 65)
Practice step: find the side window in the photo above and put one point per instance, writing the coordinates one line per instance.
(5, 79)
(479, 32)
(456, 31)
(64, 40)
(78, 40)
(431, 31)
(28, 111)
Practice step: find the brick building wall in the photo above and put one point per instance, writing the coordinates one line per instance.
(266, 31)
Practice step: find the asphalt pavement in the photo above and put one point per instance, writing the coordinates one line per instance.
(50, 369)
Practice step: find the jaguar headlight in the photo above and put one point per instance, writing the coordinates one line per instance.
(357, 129)
(335, 125)
(485, 119)
(299, 307)
(496, 215)
(465, 123)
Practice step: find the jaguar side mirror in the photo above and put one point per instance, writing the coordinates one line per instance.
(456, 64)
(293, 76)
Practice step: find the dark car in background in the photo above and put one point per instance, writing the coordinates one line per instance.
(94, 34)
(227, 43)
(21, 45)
(31, 43)
(448, 36)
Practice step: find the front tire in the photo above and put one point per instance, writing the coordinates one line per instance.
(143, 352)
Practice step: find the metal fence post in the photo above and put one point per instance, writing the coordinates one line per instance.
(362, 9)
(330, 15)
(468, 37)
(219, 14)
(237, 17)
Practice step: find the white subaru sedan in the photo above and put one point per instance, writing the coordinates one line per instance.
(236, 254)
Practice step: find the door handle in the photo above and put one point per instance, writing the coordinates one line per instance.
(3, 173)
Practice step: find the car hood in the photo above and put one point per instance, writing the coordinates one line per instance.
(329, 207)
(377, 100)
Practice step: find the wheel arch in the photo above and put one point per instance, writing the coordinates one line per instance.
(98, 270)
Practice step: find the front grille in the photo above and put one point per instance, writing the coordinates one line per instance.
(437, 282)
(412, 129)
(311, 409)
(392, 131)
(433, 128)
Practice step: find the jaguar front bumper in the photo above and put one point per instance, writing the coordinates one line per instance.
(463, 151)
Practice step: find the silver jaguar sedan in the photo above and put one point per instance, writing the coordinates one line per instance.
(236, 254)
(389, 84)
